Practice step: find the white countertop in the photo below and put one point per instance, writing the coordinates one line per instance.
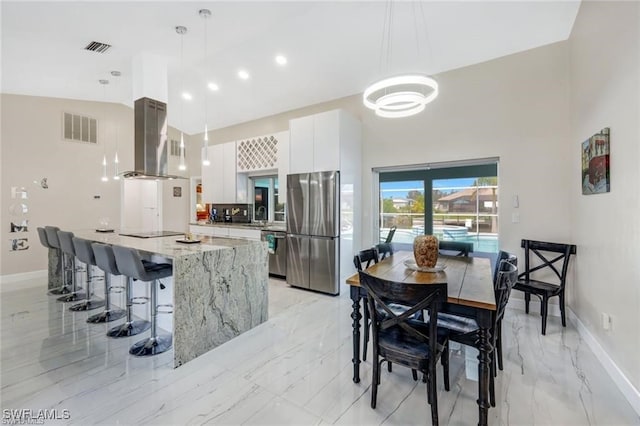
(164, 246)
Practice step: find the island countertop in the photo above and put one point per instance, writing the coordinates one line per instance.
(164, 246)
(220, 286)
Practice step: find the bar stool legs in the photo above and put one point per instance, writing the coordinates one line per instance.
(108, 314)
(154, 344)
(88, 303)
(130, 327)
(75, 294)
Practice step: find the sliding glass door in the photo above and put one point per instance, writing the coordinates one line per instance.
(453, 203)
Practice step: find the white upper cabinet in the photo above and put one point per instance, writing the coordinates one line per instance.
(326, 143)
(301, 145)
(220, 184)
(317, 141)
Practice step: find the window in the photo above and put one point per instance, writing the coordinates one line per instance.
(266, 201)
(453, 203)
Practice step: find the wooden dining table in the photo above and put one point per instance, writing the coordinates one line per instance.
(469, 283)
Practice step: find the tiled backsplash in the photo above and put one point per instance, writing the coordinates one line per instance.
(238, 213)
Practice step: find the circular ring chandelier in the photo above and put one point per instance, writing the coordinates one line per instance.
(400, 96)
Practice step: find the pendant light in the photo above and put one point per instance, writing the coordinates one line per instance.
(205, 14)
(116, 175)
(404, 95)
(104, 143)
(182, 31)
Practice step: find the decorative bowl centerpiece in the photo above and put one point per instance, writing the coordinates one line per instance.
(425, 250)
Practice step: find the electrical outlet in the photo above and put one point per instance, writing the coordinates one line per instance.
(606, 321)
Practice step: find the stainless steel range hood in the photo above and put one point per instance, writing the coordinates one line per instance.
(150, 141)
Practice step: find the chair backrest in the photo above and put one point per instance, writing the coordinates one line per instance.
(42, 235)
(502, 255)
(556, 253)
(52, 236)
(105, 258)
(507, 277)
(66, 242)
(384, 250)
(365, 258)
(415, 297)
(129, 262)
(456, 248)
(84, 251)
(392, 232)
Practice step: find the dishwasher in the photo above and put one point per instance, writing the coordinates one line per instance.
(277, 247)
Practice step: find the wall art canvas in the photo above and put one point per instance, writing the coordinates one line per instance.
(595, 164)
(177, 191)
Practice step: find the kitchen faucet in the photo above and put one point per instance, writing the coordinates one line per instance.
(264, 211)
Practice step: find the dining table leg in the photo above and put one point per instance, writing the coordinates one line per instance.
(356, 316)
(484, 349)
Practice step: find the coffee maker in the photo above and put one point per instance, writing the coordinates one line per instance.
(226, 215)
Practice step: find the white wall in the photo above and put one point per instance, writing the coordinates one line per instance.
(605, 92)
(31, 147)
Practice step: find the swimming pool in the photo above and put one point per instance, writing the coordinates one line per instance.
(486, 243)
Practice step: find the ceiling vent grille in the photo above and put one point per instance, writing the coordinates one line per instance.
(79, 128)
(96, 46)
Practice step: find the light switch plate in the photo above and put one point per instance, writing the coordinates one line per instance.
(515, 217)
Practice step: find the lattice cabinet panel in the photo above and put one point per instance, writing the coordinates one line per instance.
(259, 153)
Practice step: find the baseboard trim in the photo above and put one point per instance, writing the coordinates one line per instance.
(22, 280)
(622, 382)
(631, 394)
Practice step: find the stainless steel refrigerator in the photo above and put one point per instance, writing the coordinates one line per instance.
(313, 231)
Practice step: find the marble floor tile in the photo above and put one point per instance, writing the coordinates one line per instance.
(293, 369)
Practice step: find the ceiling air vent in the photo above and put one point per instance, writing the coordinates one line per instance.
(96, 46)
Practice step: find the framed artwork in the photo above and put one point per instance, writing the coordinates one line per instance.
(595, 164)
(177, 191)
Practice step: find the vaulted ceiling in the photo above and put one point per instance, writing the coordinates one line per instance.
(333, 48)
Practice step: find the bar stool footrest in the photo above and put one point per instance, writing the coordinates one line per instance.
(134, 300)
(169, 310)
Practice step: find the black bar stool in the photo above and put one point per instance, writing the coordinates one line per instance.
(105, 260)
(42, 234)
(84, 252)
(130, 264)
(69, 256)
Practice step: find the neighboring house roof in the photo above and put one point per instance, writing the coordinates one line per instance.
(485, 194)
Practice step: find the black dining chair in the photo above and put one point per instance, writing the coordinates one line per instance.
(465, 330)
(455, 248)
(554, 257)
(399, 338)
(384, 250)
(362, 261)
(390, 234)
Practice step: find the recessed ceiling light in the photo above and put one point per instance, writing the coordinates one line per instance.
(186, 96)
(243, 74)
(213, 87)
(281, 60)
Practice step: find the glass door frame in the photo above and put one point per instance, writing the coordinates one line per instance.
(427, 175)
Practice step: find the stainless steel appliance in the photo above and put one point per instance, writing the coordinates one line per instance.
(313, 231)
(277, 246)
(150, 141)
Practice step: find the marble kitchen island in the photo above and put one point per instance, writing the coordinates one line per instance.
(220, 287)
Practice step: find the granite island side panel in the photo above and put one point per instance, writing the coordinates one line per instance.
(220, 286)
(218, 295)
